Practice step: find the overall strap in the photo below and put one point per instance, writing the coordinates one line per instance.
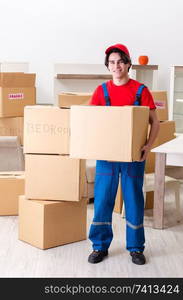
(106, 94)
(138, 94)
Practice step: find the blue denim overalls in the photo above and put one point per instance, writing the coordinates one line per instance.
(105, 189)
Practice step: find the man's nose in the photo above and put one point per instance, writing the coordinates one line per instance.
(116, 65)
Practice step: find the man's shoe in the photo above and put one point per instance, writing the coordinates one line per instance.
(138, 258)
(97, 256)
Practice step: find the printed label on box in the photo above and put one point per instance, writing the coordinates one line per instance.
(16, 96)
(160, 104)
(50, 129)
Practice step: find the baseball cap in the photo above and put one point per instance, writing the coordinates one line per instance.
(120, 47)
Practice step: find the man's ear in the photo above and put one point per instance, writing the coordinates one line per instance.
(130, 64)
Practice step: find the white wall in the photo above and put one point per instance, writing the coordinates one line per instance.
(44, 32)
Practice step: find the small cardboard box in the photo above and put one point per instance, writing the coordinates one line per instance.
(54, 177)
(68, 99)
(12, 127)
(115, 133)
(160, 100)
(46, 129)
(16, 91)
(11, 186)
(46, 224)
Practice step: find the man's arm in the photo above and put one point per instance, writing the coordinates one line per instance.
(154, 122)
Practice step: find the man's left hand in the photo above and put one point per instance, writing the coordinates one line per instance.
(144, 152)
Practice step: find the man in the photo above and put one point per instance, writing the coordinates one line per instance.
(121, 90)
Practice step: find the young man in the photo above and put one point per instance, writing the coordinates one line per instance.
(119, 91)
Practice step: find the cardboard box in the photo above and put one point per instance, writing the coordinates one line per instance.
(54, 177)
(166, 133)
(16, 91)
(160, 100)
(12, 127)
(46, 224)
(17, 79)
(149, 200)
(119, 200)
(11, 186)
(46, 129)
(114, 133)
(68, 99)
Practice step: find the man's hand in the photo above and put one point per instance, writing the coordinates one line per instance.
(144, 152)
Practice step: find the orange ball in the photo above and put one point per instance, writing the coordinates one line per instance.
(143, 59)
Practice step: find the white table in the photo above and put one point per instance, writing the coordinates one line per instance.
(170, 153)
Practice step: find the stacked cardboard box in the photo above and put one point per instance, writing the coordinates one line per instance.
(53, 210)
(47, 224)
(12, 127)
(11, 186)
(17, 90)
(68, 99)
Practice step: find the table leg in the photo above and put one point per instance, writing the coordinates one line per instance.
(159, 190)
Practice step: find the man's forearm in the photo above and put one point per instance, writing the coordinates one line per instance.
(153, 133)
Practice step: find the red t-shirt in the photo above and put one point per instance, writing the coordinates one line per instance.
(122, 94)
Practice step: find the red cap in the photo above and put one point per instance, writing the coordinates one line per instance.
(120, 47)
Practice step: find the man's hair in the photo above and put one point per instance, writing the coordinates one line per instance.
(125, 58)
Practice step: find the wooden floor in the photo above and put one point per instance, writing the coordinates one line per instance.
(164, 252)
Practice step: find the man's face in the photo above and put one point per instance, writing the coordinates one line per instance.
(117, 67)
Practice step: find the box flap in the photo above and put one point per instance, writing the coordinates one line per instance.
(17, 79)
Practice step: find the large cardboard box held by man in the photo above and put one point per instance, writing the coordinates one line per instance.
(12, 127)
(16, 91)
(161, 102)
(54, 177)
(46, 129)
(46, 224)
(114, 133)
(12, 185)
(68, 99)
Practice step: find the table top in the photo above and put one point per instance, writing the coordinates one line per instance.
(174, 146)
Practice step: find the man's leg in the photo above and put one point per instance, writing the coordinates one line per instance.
(106, 184)
(132, 187)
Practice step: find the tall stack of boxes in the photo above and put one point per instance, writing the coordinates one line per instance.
(17, 90)
(53, 210)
